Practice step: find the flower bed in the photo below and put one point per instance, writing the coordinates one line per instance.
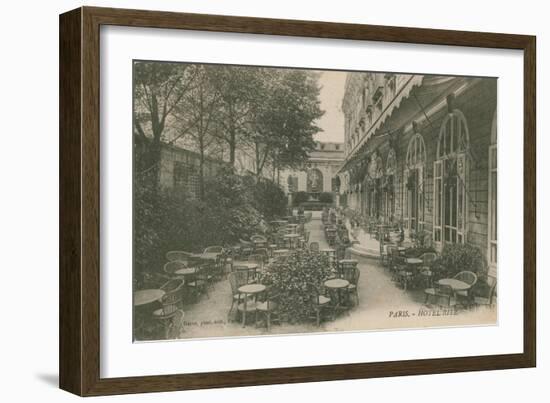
(290, 279)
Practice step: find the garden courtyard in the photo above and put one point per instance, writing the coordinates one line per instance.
(382, 304)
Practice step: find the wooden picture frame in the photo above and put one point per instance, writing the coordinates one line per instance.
(79, 346)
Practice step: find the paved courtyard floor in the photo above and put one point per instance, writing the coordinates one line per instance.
(382, 305)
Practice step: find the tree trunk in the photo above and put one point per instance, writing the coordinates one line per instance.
(232, 147)
(201, 169)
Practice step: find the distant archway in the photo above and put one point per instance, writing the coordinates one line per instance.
(314, 181)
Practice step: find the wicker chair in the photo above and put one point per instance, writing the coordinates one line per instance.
(397, 264)
(269, 307)
(214, 249)
(314, 246)
(259, 260)
(427, 269)
(466, 297)
(264, 252)
(489, 293)
(246, 248)
(173, 285)
(199, 281)
(351, 273)
(170, 269)
(236, 280)
(318, 302)
(171, 302)
(440, 292)
(178, 255)
(259, 241)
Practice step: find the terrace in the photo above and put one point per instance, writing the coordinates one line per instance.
(387, 297)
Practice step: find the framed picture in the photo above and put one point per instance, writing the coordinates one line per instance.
(251, 201)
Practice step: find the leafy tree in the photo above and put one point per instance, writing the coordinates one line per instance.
(195, 115)
(285, 120)
(238, 87)
(158, 89)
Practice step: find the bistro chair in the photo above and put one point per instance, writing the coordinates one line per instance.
(319, 303)
(351, 273)
(396, 261)
(248, 272)
(171, 267)
(236, 280)
(173, 285)
(264, 252)
(178, 255)
(259, 241)
(169, 310)
(340, 253)
(199, 282)
(214, 249)
(439, 291)
(246, 247)
(269, 307)
(259, 260)
(466, 297)
(314, 246)
(487, 296)
(427, 269)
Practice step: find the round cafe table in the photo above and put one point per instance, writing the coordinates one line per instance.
(335, 286)
(253, 290)
(291, 228)
(205, 256)
(144, 297)
(455, 284)
(291, 238)
(349, 261)
(186, 271)
(249, 267)
(280, 252)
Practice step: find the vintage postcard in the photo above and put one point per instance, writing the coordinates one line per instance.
(281, 200)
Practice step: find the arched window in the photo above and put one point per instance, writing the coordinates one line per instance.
(492, 207)
(453, 136)
(450, 180)
(416, 152)
(314, 181)
(413, 203)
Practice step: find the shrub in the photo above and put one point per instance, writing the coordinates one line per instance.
(269, 199)
(300, 197)
(171, 220)
(326, 197)
(290, 280)
(419, 251)
(459, 257)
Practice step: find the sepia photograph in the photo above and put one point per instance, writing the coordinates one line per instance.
(277, 201)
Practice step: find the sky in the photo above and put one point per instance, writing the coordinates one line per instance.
(332, 91)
